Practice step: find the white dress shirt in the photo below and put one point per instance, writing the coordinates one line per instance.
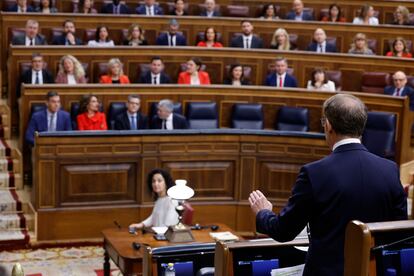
(247, 41)
(172, 40)
(278, 77)
(163, 214)
(149, 10)
(157, 78)
(94, 43)
(169, 122)
(28, 40)
(71, 79)
(329, 86)
(40, 77)
(371, 21)
(345, 142)
(320, 49)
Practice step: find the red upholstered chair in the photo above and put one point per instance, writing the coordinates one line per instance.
(124, 35)
(372, 44)
(237, 11)
(100, 69)
(188, 214)
(374, 82)
(8, 4)
(89, 35)
(200, 37)
(336, 77)
(410, 81)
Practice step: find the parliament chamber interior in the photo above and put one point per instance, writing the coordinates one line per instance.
(86, 85)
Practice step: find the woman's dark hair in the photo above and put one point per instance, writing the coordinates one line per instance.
(205, 33)
(98, 30)
(83, 104)
(318, 71)
(167, 178)
(339, 11)
(51, 4)
(265, 7)
(364, 11)
(402, 40)
(81, 6)
(232, 67)
(197, 61)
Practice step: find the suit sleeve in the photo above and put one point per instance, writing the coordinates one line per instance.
(400, 200)
(294, 82)
(294, 216)
(68, 123)
(144, 122)
(31, 128)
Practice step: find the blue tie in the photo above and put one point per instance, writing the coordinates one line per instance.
(133, 123)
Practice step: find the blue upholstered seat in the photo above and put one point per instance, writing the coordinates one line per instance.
(115, 108)
(202, 115)
(292, 119)
(247, 116)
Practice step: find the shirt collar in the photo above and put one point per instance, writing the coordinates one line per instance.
(169, 118)
(132, 114)
(345, 142)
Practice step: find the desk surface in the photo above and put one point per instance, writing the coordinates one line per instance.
(118, 246)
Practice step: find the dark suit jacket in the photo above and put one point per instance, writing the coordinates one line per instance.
(122, 121)
(305, 16)
(239, 43)
(407, 91)
(180, 40)
(349, 184)
(21, 40)
(179, 122)
(109, 8)
(290, 81)
(14, 8)
(38, 123)
(146, 78)
(329, 48)
(26, 77)
(142, 10)
(61, 40)
(215, 13)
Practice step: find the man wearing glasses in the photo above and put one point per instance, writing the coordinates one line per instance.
(131, 118)
(400, 88)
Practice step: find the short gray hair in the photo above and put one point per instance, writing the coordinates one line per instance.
(168, 104)
(347, 114)
(133, 96)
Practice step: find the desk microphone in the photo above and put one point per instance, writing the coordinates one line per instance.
(117, 224)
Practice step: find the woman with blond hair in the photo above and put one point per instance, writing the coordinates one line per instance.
(401, 16)
(280, 40)
(135, 36)
(359, 45)
(115, 73)
(70, 71)
(399, 49)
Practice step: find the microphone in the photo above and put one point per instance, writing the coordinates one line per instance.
(117, 224)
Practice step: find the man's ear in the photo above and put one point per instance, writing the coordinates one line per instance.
(328, 126)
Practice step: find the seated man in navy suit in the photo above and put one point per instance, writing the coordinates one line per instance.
(247, 40)
(172, 37)
(21, 7)
(49, 119)
(155, 75)
(166, 118)
(115, 8)
(281, 78)
(36, 75)
(131, 119)
(68, 37)
(31, 37)
(400, 88)
(319, 44)
(349, 184)
(149, 8)
(297, 12)
(210, 9)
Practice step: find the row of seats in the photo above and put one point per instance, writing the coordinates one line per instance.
(378, 137)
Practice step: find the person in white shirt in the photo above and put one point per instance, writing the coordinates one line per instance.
(163, 213)
(70, 71)
(101, 38)
(366, 16)
(320, 81)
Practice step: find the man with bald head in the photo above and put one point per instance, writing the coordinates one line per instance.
(297, 13)
(349, 184)
(400, 88)
(319, 44)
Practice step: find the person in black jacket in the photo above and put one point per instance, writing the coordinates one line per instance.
(131, 118)
(236, 76)
(155, 75)
(166, 118)
(68, 37)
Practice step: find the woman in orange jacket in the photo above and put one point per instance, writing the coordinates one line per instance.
(115, 73)
(193, 75)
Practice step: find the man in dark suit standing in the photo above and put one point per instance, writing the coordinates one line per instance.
(155, 75)
(166, 118)
(173, 37)
(131, 119)
(115, 8)
(297, 12)
(400, 88)
(247, 40)
(31, 37)
(349, 184)
(36, 75)
(68, 37)
(281, 78)
(49, 119)
(210, 9)
(319, 44)
(21, 7)
(149, 8)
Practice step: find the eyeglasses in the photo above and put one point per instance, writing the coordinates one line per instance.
(323, 121)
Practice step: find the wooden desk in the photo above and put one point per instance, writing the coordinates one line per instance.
(118, 247)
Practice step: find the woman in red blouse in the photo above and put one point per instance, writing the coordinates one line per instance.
(193, 75)
(115, 73)
(210, 39)
(89, 117)
(399, 49)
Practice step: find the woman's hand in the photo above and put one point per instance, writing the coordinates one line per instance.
(137, 225)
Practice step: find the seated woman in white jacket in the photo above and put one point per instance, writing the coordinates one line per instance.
(163, 214)
(319, 81)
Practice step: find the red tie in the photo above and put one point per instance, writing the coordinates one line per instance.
(280, 81)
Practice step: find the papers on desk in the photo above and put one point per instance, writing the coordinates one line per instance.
(160, 230)
(288, 271)
(224, 236)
